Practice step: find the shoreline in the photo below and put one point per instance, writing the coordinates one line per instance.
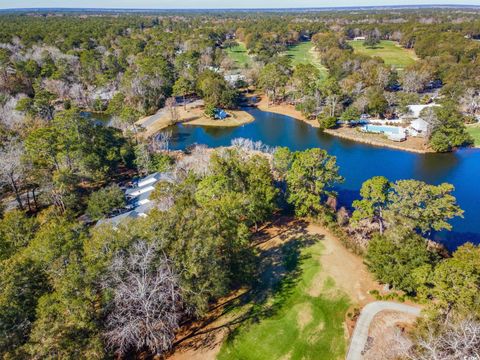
(235, 118)
(375, 140)
(343, 132)
(193, 116)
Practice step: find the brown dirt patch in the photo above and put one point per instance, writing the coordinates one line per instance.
(304, 316)
(345, 268)
(284, 109)
(236, 118)
(387, 335)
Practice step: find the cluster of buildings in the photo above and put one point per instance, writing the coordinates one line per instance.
(138, 198)
(416, 125)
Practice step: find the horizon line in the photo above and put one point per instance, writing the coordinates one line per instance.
(405, 6)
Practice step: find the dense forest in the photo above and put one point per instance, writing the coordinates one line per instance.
(72, 289)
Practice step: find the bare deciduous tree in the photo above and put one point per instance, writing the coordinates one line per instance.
(161, 142)
(429, 115)
(248, 145)
(415, 81)
(118, 123)
(146, 306)
(454, 341)
(11, 168)
(11, 118)
(470, 101)
(197, 162)
(171, 105)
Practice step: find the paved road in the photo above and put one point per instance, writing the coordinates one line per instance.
(152, 119)
(360, 334)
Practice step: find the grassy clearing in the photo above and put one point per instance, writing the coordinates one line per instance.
(288, 322)
(389, 51)
(474, 131)
(240, 55)
(303, 53)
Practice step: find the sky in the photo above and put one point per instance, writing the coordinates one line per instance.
(202, 4)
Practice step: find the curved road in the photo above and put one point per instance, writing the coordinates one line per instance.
(360, 334)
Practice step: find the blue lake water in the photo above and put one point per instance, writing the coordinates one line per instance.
(359, 162)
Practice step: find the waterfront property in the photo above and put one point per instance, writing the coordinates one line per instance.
(357, 161)
(394, 133)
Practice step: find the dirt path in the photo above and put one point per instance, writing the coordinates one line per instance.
(347, 269)
(203, 340)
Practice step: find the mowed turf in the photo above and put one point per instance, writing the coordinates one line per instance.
(240, 55)
(474, 131)
(291, 323)
(389, 51)
(303, 53)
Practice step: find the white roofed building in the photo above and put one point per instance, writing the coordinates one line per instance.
(415, 110)
(139, 203)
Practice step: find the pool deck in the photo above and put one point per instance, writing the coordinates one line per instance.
(412, 144)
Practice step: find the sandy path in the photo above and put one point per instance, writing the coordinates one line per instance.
(346, 268)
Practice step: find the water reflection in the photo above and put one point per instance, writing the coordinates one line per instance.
(359, 162)
(432, 167)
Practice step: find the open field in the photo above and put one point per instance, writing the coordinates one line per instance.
(307, 283)
(392, 53)
(475, 132)
(304, 53)
(240, 55)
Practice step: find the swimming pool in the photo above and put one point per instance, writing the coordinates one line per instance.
(383, 129)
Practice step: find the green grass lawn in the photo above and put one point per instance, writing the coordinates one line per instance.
(389, 51)
(303, 53)
(291, 323)
(475, 132)
(240, 55)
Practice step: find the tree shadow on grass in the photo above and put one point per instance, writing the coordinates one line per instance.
(278, 274)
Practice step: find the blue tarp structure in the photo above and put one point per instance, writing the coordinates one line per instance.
(220, 114)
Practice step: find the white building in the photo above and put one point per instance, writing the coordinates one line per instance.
(415, 110)
(233, 79)
(139, 203)
(419, 125)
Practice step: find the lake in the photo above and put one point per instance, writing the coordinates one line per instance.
(359, 162)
